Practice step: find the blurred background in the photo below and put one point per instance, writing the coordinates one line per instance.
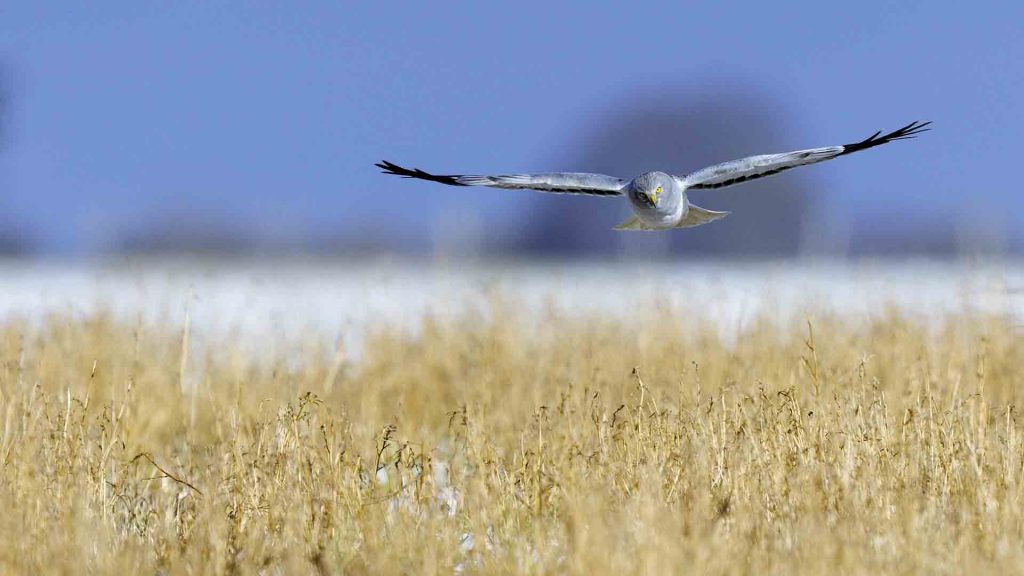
(211, 128)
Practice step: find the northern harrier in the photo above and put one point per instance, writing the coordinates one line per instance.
(658, 199)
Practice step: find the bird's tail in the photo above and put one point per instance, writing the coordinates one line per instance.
(697, 216)
(633, 223)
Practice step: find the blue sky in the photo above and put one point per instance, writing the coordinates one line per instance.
(272, 116)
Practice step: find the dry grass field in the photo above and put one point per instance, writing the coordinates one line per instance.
(493, 444)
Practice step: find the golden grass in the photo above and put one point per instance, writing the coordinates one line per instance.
(501, 446)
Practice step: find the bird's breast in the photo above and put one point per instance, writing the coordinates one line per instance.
(661, 216)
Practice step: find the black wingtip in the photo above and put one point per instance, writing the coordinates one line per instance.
(396, 170)
(877, 139)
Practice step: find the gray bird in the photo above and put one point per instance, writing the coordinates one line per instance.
(658, 199)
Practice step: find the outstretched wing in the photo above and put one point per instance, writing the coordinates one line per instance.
(744, 169)
(559, 182)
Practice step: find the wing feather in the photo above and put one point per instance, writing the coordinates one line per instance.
(557, 182)
(744, 169)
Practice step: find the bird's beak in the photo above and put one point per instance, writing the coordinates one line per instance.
(653, 197)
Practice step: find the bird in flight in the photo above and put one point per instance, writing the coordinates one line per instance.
(659, 200)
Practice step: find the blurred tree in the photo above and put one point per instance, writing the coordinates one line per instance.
(4, 104)
(13, 241)
(678, 133)
(184, 232)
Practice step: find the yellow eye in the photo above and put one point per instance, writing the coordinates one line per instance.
(658, 190)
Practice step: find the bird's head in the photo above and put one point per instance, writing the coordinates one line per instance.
(653, 190)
